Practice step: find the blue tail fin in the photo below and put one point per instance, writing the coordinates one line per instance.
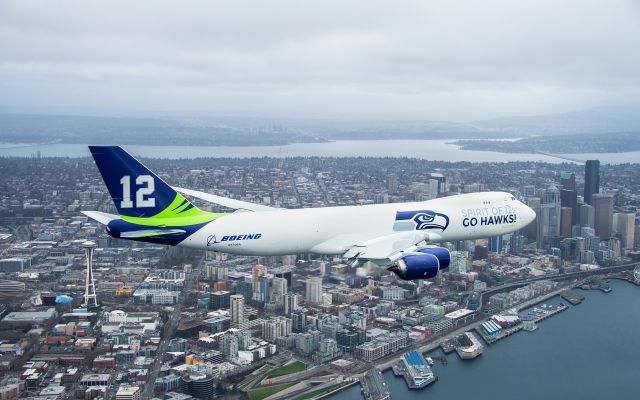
(135, 190)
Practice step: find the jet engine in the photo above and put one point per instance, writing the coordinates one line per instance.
(422, 264)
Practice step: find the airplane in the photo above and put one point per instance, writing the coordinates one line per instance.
(400, 237)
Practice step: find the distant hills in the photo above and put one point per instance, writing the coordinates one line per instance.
(597, 120)
(610, 122)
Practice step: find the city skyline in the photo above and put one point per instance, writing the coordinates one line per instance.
(217, 316)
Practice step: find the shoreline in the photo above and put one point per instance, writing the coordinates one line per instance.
(385, 366)
(432, 150)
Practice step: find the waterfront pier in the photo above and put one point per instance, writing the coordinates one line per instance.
(373, 385)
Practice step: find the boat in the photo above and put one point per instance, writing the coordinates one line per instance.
(529, 326)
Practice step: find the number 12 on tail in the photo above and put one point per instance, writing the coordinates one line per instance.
(145, 187)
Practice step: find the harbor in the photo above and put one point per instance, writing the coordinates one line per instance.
(502, 326)
(563, 337)
(466, 343)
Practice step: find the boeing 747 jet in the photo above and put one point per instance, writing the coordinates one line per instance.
(398, 236)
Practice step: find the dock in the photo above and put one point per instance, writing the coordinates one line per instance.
(572, 297)
(535, 315)
(470, 347)
(596, 283)
(448, 346)
(499, 336)
(550, 313)
(373, 385)
(415, 370)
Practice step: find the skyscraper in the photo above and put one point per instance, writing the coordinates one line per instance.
(531, 230)
(548, 218)
(626, 229)
(392, 183)
(568, 180)
(495, 244)
(237, 309)
(290, 303)
(285, 272)
(591, 180)
(258, 291)
(569, 198)
(459, 260)
(314, 290)
(603, 204)
(279, 290)
(220, 300)
(587, 215)
(565, 221)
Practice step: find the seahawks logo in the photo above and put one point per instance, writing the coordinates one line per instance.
(420, 220)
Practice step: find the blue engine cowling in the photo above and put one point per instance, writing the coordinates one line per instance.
(423, 264)
(443, 254)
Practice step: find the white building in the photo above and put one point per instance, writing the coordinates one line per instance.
(237, 309)
(128, 393)
(314, 290)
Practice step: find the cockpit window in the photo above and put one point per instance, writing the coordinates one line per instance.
(512, 198)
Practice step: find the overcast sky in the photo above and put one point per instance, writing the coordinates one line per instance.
(434, 60)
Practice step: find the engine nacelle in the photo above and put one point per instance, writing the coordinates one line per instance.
(443, 254)
(423, 264)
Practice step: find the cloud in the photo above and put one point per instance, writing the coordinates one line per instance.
(457, 60)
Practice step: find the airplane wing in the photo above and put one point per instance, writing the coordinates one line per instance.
(386, 250)
(225, 201)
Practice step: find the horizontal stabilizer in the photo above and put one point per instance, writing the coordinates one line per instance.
(102, 217)
(225, 201)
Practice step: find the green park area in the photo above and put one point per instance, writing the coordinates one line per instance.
(262, 392)
(296, 366)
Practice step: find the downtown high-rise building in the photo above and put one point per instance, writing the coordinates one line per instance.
(591, 180)
(495, 244)
(587, 215)
(569, 199)
(290, 303)
(392, 183)
(626, 228)
(286, 272)
(548, 218)
(459, 261)
(276, 327)
(568, 180)
(566, 216)
(314, 290)
(603, 205)
(259, 290)
(220, 300)
(278, 291)
(531, 230)
(237, 309)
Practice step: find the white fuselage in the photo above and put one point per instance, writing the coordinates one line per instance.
(333, 230)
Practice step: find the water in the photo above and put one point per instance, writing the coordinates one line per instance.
(437, 150)
(590, 351)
